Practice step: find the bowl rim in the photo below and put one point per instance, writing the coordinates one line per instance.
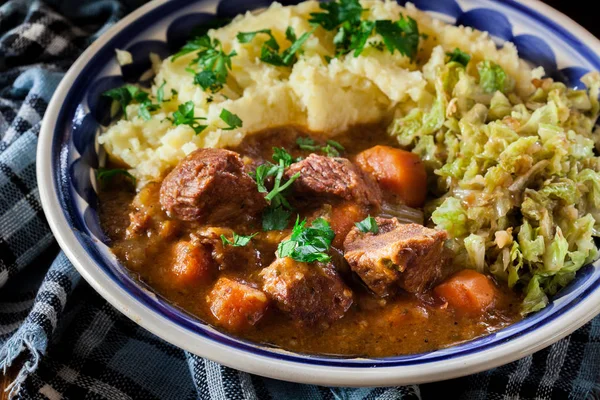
(263, 365)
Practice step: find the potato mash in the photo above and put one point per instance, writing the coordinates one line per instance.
(319, 92)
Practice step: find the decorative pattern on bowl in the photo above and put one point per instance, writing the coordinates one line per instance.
(165, 29)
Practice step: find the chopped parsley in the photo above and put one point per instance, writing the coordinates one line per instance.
(353, 33)
(331, 148)
(276, 216)
(160, 93)
(402, 35)
(247, 37)
(459, 56)
(275, 219)
(232, 120)
(491, 77)
(128, 94)
(306, 143)
(368, 224)
(337, 13)
(185, 116)
(106, 174)
(270, 50)
(308, 244)
(238, 240)
(279, 153)
(213, 62)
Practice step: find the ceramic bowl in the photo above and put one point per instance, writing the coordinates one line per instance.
(67, 156)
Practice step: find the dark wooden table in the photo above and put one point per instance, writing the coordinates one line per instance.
(573, 8)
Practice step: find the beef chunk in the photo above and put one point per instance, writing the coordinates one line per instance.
(237, 306)
(309, 293)
(406, 255)
(210, 185)
(334, 177)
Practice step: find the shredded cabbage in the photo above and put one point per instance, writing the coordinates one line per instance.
(517, 180)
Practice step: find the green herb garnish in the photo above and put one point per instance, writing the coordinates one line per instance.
(337, 13)
(185, 116)
(352, 33)
(106, 174)
(308, 244)
(211, 59)
(331, 149)
(270, 49)
(275, 219)
(401, 35)
(368, 224)
(160, 93)
(279, 153)
(247, 37)
(232, 120)
(238, 240)
(276, 215)
(128, 94)
(459, 56)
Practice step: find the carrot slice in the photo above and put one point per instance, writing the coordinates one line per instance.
(467, 291)
(398, 171)
(193, 264)
(343, 217)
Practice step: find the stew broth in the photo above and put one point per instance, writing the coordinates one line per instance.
(401, 323)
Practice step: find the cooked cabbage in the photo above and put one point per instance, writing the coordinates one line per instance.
(517, 177)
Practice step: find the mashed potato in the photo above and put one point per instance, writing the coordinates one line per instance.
(319, 95)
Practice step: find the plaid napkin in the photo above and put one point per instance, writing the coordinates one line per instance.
(69, 343)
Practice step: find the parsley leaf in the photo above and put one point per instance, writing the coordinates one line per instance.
(353, 37)
(459, 56)
(269, 52)
(262, 172)
(247, 37)
(308, 244)
(401, 35)
(368, 225)
(128, 94)
(238, 240)
(491, 77)
(331, 149)
(306, 143)
(275, 216)
(279, 153)
(106, 174)
(198, 43)
(275, 219)
(211, 59)
(230, 119)
(337, 13)
(160, 93)
(185, 116)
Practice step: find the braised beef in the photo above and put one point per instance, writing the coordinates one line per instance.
(334, 178)
(211, 185)
(309, 293)
(409, 256)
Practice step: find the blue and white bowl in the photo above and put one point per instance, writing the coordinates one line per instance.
(67, 156)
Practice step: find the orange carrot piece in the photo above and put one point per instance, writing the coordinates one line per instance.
(467, 291)
(398, 171)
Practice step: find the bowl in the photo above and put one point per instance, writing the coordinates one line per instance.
(68, 154)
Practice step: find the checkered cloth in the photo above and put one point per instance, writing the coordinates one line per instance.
(69, 343)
